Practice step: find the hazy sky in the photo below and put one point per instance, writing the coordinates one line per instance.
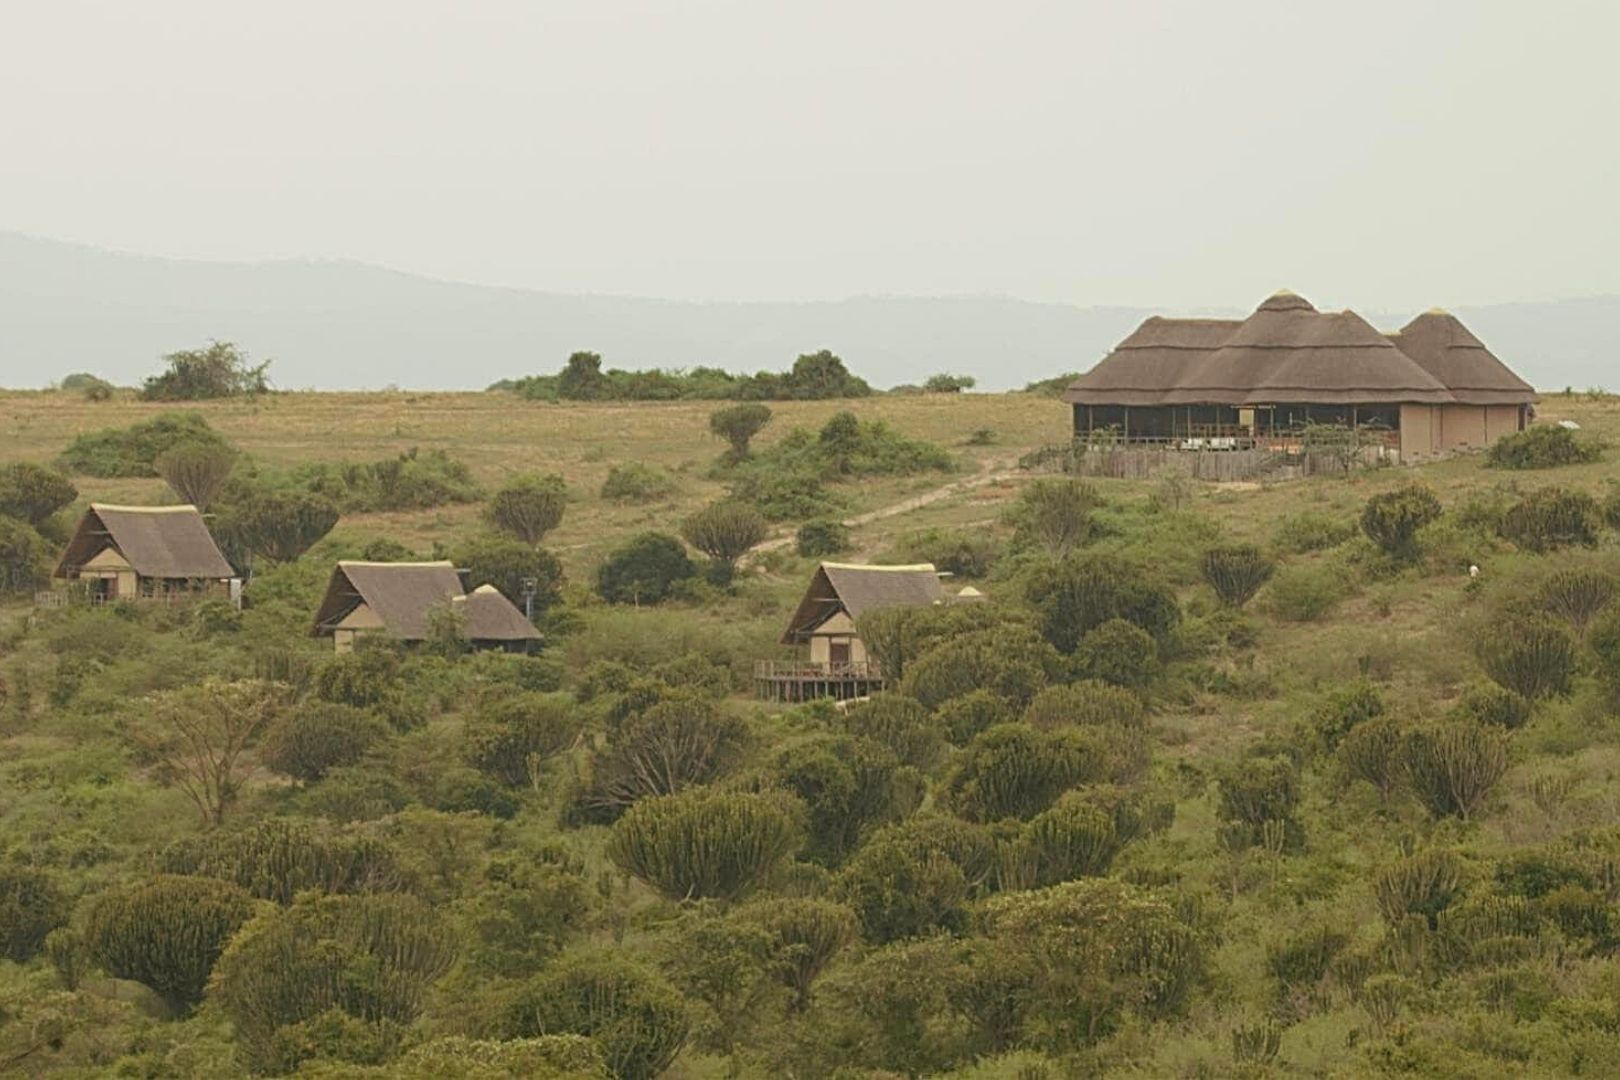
(1179, 154)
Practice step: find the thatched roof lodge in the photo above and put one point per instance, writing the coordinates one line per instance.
(145, 553)
(397, 599)
(1427, 388)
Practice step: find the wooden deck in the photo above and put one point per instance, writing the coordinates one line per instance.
(802, 680)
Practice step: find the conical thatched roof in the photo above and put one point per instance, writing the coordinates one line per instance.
(1439, 343)
(856, 589)
(158, 541)
(492, 617)
(1289, 352)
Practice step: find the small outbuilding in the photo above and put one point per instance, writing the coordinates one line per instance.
(398, 599)
(824, 623)
(161, 553)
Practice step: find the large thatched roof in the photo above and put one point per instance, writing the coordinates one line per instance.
(858, 589)
(403, 594)
(158, 541)
(1285, 352)
(1439, 343)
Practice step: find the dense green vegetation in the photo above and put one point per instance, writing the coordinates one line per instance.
(813, 376)
(1216, 782)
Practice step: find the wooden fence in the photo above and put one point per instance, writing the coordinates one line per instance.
(1134, 461)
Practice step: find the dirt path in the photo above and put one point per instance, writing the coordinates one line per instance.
(990, 472)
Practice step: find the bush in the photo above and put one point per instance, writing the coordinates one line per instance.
(783, 492)
(196, 471)
(279, 525)
(1552, 518)
(1604, 641)
(806, 934)
(24, 555)
(901, 724)
(822, 537)
(1056, 515)
(31, 906)
(949, 384)
(964, 716)
(1259, 790)
(640, 1022)
(1423, 884)
(1079, 836)
(1016, 771)
(738, 424)
(32, 493)
(681, 741)
(409, 481)
(92, 387)
(1306, 593)
(1542, 446)
(511, 735)
(1236, 573)
(364, 960)
(1375, 751)
(1118, 653)
(1344, 708)
(166, 932)
(916, 877)
(1490, 704)
(528, 506)
(704, 844)
(318, 736)
(724, 531)
(1011, 664)
(132, 451)
(644, 571)
(849, 787)
(1299, 534)
(510, 565)
(1453, 765)
(633, 482)
(1533, 657)
(219, 371)
(278, 858)
(1074, 597)
(1577, 595)
(960, 554)
(1088, 703)
(1392, 519)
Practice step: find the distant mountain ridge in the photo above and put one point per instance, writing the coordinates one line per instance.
(343, 325)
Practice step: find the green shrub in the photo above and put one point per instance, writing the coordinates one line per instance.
(1259, 790)
(510, 565)
(510, 736)
(1552, 518)
(32, 493)
(1079, 836)
(1085, 703)
(1604, 641)
(724, 531)
(1073, 597)
(1306, 593)
(1491, 704)
(1010, 664)
(964, 716)
(1392, 519)
(131, 451)
(278, 858)
(738, 424)
(356, 793)
(640, 1022)
(24, 558)
(1118, 653)
(634, 482)
(31, 906)
(522, 914)
(645, 570)
(901, 724)
(682, 741)
(196, 471)
(1611, 506)
(948, 384)
(806, 935)
(318, 736)
(849, 787)
(1453, 765)
(1016, 771)
(1237, 573)
(166, 932)
(1375, 751)
(1300, 534)
(956, 552)
(220, 370)
(1541, 446)
(916, 877)
(1056, 515)
(92, 387)
(1424, 884)
(1344, 708)
(783, 491)
(528, 506)
(277, 524)
(1302, 959)
(412, 480)
(1577, 595)
(1533, 657)
(365, 959)
(822, 537)
(702, 843)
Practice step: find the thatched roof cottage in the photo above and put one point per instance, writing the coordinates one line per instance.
(146, 553)
(397, 599)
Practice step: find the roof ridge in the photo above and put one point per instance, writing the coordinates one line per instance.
(927, 567)
(369, 562)
(120, 508)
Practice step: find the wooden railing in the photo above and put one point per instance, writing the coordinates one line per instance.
(861, 671)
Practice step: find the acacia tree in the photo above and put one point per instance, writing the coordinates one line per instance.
(738, 424)
(32, 493)
(196, 471)
(218, 371)
(529, 506)
(197, 736)
(724, 531)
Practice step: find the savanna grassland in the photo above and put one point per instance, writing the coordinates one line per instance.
(1238, 780)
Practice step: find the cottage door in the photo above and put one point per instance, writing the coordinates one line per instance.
(838, 652)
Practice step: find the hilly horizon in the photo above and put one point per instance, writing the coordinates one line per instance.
(332, 324)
